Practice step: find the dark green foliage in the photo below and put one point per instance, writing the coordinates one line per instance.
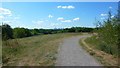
(33, 32)
(78, 29)
(118, 43)
(27, 32)
(66, 30)
(7, 32)
(21, 32)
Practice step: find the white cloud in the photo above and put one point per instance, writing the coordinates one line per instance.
(110, 7)
(5, 12)
(64, 7)
(59, 6)
(6, 22)
(50, 16)
(76, 19)
(103, 14)
(38, 22)
(66, 21)
(6, 16)
(60, 18)
(70, 7)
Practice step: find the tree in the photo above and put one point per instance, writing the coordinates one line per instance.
(19, 32)
(27, 32)
(7, 32)
(108, 34)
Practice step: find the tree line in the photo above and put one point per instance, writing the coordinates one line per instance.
(11, 33)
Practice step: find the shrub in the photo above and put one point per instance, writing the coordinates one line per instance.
(108, 34)
(7, 32)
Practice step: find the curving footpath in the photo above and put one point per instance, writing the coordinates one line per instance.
(72, 54)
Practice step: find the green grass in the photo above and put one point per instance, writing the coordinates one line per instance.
(33, 51)
(94, 43)
(101, 45)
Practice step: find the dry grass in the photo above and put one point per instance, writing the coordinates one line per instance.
(34, 51)
(104, 58)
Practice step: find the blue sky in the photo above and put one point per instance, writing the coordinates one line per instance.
(49, 15)
(60, 0)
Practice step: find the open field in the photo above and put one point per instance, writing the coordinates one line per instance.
(91, 46)
(33, 51)
(51, 33)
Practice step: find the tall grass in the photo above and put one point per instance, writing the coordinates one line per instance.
(10, 48)
(101, 45)
(33, 51)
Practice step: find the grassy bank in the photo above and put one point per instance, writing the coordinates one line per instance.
(94, 47)
(33, 51)
(101, 45)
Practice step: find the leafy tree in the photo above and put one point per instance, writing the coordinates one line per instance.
(19, 32)
(27, 32)
(7, 32)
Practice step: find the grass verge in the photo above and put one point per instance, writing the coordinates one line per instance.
(90, 45)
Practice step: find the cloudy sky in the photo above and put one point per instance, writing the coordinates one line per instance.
(49, 15)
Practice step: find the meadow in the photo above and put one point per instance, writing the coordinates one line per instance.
(38, 50)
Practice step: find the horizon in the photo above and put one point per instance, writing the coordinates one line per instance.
(48, 28)
(52, 15)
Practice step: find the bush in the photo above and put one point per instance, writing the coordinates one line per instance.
(7, 32)
(21, 32)
(108, 34)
